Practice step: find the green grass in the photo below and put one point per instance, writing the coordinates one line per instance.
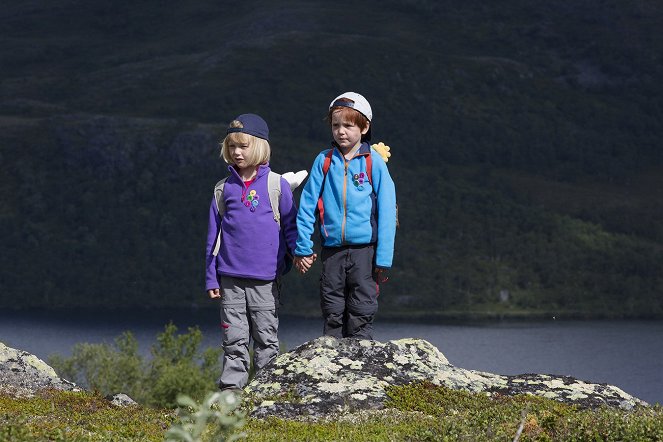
(417, 412)
(69, 416)
(425, 412)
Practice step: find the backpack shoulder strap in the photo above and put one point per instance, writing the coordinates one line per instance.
(325, 168)
(221, 207)
(274, 189)
(218, 196)
(327, 162)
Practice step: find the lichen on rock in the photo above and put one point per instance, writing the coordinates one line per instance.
(330, 376)
(22, 374)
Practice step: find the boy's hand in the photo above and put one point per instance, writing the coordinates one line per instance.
(381, 275)
(214, 293)
(304, 263)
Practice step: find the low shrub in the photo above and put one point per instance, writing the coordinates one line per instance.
(177, 366)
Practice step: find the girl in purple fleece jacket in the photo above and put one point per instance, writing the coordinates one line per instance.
(244, 274)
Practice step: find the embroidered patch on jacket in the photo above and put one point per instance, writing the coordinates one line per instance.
(252, 200)
(358, 180)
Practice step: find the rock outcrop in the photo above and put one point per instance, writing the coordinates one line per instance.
(121, 400)
(23, 374)
(328, 376)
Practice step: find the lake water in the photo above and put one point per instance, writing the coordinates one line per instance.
(628, 354)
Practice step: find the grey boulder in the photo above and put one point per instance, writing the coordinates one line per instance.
(23, 374)
(329, 376)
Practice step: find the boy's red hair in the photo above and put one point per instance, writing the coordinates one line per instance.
(348, 114)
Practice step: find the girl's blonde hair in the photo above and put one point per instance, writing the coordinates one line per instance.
(257, 153)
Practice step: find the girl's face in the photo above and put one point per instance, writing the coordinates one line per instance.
(346, 134)
(238, 152)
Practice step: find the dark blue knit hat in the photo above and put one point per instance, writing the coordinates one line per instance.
(253, 125)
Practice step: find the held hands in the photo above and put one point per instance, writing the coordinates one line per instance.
(304, 263)
(214, 293)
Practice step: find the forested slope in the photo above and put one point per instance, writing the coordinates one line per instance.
(525, 138)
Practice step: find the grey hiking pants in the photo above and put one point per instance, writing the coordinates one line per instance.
(249, 309)
(348, 291)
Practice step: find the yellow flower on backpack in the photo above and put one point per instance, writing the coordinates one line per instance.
(383, 150)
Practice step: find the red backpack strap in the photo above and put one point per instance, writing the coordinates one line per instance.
(325, 169)
(369, 168)
(327, 163)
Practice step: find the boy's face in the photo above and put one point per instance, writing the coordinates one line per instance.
(346, 134)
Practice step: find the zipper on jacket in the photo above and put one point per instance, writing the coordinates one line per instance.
(345, 199)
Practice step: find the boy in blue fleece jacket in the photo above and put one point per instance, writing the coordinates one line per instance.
(355, 203)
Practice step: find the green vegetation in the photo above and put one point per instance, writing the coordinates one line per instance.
(427, 412)
(419, 412)
(77, 417)
(525, 137)
(217, 418)
(177, 366)
(458, 414)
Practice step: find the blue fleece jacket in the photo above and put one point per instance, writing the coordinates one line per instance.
(251, 244)
(356, 212)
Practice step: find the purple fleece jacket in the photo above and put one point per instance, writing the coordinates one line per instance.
(251, 244)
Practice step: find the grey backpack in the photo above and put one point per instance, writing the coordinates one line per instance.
(274, 188)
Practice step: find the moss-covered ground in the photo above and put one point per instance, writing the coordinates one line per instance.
(78, 416)
(422, 412)
(426, 412)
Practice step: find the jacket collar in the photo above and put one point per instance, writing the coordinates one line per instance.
(263, 169)
(364, 149)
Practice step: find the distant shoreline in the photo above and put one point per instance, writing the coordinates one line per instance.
(412, 316)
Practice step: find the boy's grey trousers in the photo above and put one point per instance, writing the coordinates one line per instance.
(249, 309)
(348, 291)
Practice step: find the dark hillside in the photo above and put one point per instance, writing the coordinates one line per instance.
(525, 138)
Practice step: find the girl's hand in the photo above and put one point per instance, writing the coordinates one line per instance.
(214, 293)
(299, 264)
(304, 263)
